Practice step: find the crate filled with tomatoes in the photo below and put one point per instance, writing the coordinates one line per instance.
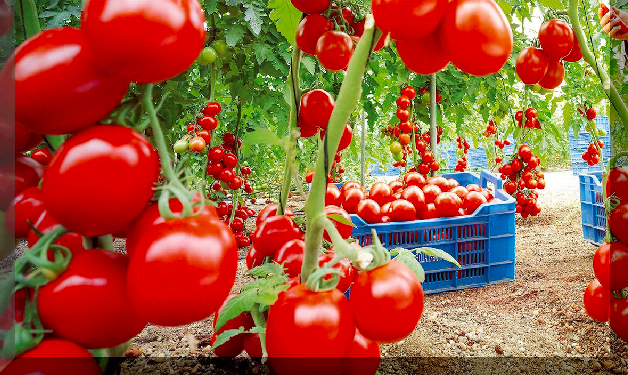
(468, 216)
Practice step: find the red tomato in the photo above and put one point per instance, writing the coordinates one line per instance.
(311, 6)
(423, 55)
(441, 182)
(273, 233)
(309, 333)
(253, 345)
(430, 212)
(618, 317)
(344, 229)
(473, 201)
(88, 304)
(306, 130)
(349, 185)
(395, 186)
(310, 29)
(369, 211)
(129, 36)
(332, 196)
(364, 357)
(351, 198)
(347, 271)
(212, 109)
(199, 255)
(73, 241)
(554, 76)
(316, 108)
(16, 178)
(431, 192)
(532, 65)
(402, 210)
(270, 210)
(381, 193)
(235, 345)
(477, 36)
(55, 357)
(414, 195)
(27, 206)
(597, 301)
(617, 183)
(576, 53)
(78, 186)
(254, 258)
(618, 222)
(407, 19)
(347, 137)
(609, 262)
(291, 256)
(460, 191)
(390, 290)
(556, 38)
(414, 178)
(83, 93)
(208, 122)
(42, 156)
(447, 204)
(334, 50)
(309, 176)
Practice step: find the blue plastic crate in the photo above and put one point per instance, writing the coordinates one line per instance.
(592, 203)
(483, 243)
(577, 146)
(477, 157)
(375, 170)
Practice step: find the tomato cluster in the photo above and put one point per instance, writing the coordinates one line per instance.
(463, 163)
(592, 154)
(472, 34)
(335, 175)
(413, 198)
(523, 179)
(531, 118)
(216, 50)
(544, 66)
(199, 135)
(223, 164)
(605, 297)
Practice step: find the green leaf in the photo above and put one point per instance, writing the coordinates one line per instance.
(554, 4)
(236, 306)
(263, 136)
(286, 18)
(409, 259)
(266, 270)
(437, 253)
(226, 335)
(340, 219)
(253, 15)
(234, 34)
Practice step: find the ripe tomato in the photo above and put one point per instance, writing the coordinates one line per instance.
(576, 53)
(402, 210)
(254, 258)
(447, 204)
(291, 256)
(306, 130)
(349, 185)
(423, 55)
(617, 183)
(27, 206)
(351, 198)
(618, 222)
(532, 65)
(213, 108)
(556, 38)
(199, 255)
(253, 346)
(311, 6)
(310, 29)
(473, 201)
(618, 317)
(83, 94)
(316, 108)
(609, 262)
(273, 233)
(197, 144)
(309, 333)
(525, 152)
(381, 193)
(101, 179)
(270, 210)
(344, 229)
(347, 271)
(364, 357)
(415, 196)
(347, 137)
(73, 241)
(369, 211)
(554, 76)
(431, 192)
(408, 19)
(460, 191)
(477, 36)
(390, 290)
(88, 304)
(430, 212)
(16, 178)
(334, 50)
(55, 357)
(235, 345)
(441, 182)
(332, 196)
(129, 36)
(395, 186)
(597, 301)
(309, 176)
(414, 178)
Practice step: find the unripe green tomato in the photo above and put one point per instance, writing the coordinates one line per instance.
(601, 132)
(396, 148)
(536, 88)
(220, 47)
(426, 98)
(181, 146)
(398, 157)
(500, 112)
(209, 55)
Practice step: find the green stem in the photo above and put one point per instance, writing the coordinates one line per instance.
(607, 85)
(348, 98)
(30, 17)
(413, 141)
(235, 195)
(260, 321)
(433, 125)
(106, 242)
(363, 150)
(293, 128)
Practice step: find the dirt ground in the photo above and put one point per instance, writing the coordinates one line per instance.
(538, 315)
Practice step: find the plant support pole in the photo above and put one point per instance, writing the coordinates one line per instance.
(433, 126)
(363, 150)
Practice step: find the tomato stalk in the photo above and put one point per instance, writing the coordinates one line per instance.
(433, 125)
(348, 98)
(260, 321)
(413, 140)
(174, 185)
(293, 128)
(235, 194)
(30, 17)
(609, 89)
(105, 242)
